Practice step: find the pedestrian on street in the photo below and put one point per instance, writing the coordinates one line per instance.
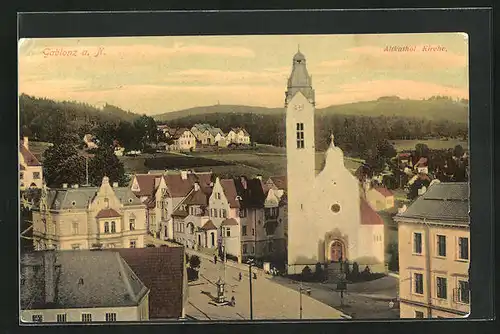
(240, 276)
(233, 301)
(215, 259)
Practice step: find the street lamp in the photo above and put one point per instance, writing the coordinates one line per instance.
(250, 263)
(221, 298)
(308, 291)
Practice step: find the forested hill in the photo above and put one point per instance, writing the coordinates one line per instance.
(37, 115)
(435, 108)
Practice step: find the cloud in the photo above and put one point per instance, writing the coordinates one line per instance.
(218, 77)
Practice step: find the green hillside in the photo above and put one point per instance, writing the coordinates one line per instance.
(431, 109)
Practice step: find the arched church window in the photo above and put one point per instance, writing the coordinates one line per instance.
(106, 227)
(335, 208)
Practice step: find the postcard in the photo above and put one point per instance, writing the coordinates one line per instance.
(250, 177)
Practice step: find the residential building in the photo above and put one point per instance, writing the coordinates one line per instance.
(162, 192)
(90, 140)
(85, 217)
(328, 220)
(379, 198)
(80, 286)
(434, 253)
(421, 166)
(238, 136)
(183, 140)
(30, 168)
(203, 134)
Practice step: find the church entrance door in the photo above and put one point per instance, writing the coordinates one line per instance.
(337, 251)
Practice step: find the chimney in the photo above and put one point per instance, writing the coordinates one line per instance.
(65, 185)
(115, 184)
(184, 174)
(26, 142)
(49, 270)
(75, 186)
(196, 186)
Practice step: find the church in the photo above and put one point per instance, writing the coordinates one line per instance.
(329, 219)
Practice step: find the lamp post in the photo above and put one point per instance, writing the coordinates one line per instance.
(250, 262)
(301, 289)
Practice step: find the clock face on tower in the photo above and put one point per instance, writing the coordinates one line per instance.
(298, 107)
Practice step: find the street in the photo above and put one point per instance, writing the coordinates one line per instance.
(271, 300)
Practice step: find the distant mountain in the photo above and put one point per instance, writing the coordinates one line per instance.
(431, 109)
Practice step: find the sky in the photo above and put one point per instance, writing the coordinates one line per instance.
(154, 75)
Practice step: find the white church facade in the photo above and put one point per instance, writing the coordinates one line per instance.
(328, 218)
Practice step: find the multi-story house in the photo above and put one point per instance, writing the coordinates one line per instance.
(84, 217)
(191, 220)
(183, 140)
(379, 198)
(75, 286)
(67, 286)
(30, 169)
(434, 253)
(162, 193)
(238, 136)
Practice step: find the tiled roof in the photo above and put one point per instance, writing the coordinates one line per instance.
(368, 215)
(179, 187)
(146, 184)
(422, 162)
(229, 222)
(199, 197)
(280, 182)
(384, 191)
(107, 213)
(161, 269)
(446, 201)
(83, 279)
(29, 158)
(253, 195)
(179, 132)
(230, 192)
(209, 225)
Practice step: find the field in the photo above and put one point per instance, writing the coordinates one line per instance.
(437, 144)
(264, 160)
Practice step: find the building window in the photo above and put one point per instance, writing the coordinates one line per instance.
(106, 227)
(75, 228)
(270, 247)
(243, 230)
(217, 195)
(244, 248)
(37, 318)
(86, 317)
(61, 317)
(228, 232)
(215, 213)
(243, 213)
(441, 287)
(132, 243)
(441, 244)
(75, 246)
(419, 314)
(21, 175)
(300, 135)
(110, 316)
(419, 284)
(113, 227)
(335, 208)
(417, 243)
(131, 223)
(36, 175)
(253, 231)
(224, 213)
(463, 292)
(463, 248)
(106, 202)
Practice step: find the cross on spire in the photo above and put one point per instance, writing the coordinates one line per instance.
(332, 137)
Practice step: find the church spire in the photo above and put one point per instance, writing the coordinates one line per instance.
(299, 79)
(332, 142)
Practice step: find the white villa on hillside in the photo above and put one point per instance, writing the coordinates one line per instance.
(238, 136)
(30, 169)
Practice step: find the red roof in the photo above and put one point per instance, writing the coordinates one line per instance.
(230, 192)
(198, 197)
(29, 158)
(280, 182)
(229, 222)
(146, 184)
(209, 225)
(107, 213)
(422, 162)
(162, 270)
(368, 215)
(384, 191)
(180, 188)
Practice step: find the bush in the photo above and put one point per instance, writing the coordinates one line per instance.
(192, 275)
(319, 272)
(150, 245)
(194, 262)
(306, 273)
(355, 269)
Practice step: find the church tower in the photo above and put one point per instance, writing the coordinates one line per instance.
(300, 152)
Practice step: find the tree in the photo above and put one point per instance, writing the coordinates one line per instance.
(458, 151)
(63, 164)
(106, 133)
(194, 262)
(421, 150)
(147, 130)
(128, 135)
(106, 163)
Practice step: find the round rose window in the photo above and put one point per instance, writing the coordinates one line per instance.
(335, 208)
